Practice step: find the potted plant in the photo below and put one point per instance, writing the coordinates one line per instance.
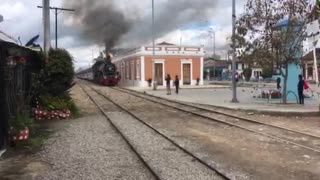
(198, 80)
(149, 82)
(53, 108)
(19, 128)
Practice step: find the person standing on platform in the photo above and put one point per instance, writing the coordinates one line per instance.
(278, 83)
(300, 90)
(168, 80)
(176, 83)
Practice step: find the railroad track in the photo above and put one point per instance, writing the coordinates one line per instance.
(289, 136)
(153, 172)
(121, 134)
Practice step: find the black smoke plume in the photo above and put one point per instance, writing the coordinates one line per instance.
(169, 16)
(103, 22)
(99, 21)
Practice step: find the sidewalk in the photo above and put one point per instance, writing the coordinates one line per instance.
(243, 83)
(181, 87)
(221, 97)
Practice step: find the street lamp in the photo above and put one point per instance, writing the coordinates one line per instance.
(153, 51)
(234, 85)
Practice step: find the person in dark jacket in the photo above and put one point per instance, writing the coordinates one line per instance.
(300, 90)
(176, 83)
(168, 80)
(278, 83)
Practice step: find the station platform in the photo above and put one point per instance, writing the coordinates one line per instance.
(221, 95)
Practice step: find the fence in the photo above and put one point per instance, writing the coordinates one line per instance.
(16, 67)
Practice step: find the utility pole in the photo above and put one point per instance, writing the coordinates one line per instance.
(214, 43)
(46, 28)
(56, 20)
(213, 36)
(234, 84)
(153, 51)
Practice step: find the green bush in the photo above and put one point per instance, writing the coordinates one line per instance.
(54, 81)
(266, 72)
(55, 102)
(21, 121)
(59, 103)
(247, 72)
(56, 77)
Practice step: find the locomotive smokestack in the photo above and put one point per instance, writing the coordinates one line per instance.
(107, 49)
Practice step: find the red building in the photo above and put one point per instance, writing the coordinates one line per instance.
(186, 62)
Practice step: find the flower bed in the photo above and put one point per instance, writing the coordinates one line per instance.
(19, 135)
(40, 114)
(273, 94)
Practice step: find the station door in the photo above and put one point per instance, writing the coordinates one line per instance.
(186, 74)
(159, 73)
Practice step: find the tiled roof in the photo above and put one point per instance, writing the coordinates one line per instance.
(165, 44)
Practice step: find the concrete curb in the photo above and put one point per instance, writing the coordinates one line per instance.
(291, 113)
(288, 113)
(266, 112)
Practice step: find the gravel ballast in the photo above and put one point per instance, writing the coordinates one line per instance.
(89, 148)
(167, 160)
(235, 152)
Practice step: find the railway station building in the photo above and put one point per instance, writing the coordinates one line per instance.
(135, 66)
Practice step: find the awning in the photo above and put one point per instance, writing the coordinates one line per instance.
(309, 57)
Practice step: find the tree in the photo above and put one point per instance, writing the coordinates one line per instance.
(247, 72)
(216, 57)
(274, 31)
(266, 72)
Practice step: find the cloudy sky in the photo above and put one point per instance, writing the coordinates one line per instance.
(23, 19)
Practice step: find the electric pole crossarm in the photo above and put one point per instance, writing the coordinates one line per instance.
(56, 19)
(62, 9)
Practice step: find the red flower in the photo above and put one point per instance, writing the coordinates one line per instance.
(22, 60)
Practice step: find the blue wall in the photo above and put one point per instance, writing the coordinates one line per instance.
(292, 83)
(294, 70)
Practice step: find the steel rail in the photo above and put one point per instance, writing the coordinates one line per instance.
(122, 135)
(220, 121)
(164, 136)
(222, 113)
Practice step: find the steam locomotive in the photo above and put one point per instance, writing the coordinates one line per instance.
(102, 72)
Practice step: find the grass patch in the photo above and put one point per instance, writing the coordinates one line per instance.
(38, 136)
(34, 143)
(75, 111)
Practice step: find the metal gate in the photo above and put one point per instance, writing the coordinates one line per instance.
(3, 108)
(16, 66)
